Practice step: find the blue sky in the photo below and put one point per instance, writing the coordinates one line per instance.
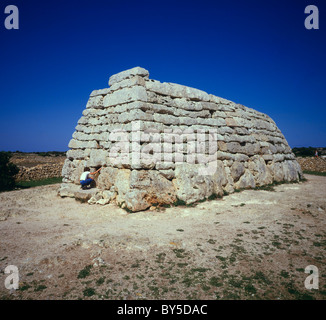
(257, 53)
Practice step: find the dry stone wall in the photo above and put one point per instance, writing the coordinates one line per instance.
(159, 142)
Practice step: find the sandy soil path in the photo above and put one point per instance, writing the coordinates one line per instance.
(254, 244)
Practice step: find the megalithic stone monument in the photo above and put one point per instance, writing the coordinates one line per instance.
(160, 142)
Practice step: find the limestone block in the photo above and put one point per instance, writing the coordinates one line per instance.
(214, 122)
(268, 157)
(237, 170)
(122, 184)
(135, 114)
(77, 135)
(149, 126)
(210, 106)
(219, 177)
(125, 95)
(251, 149)
(109, 194)
(97, 157)
(95, 102)
(68, 190)
(95, 197)
(221, 155)
(135, 200)
(224, 130)
(231, 122)
(229, 187)
(107, 178)
(85, 195)
(76, 169)
(67, 168)
(94, 121)
(76, 144)
(80, 128)
(165, 165)
(219, 114)
(222, 146)
(242, 131)
(190, 186)
(196, 94)
(159, 108)
(234, 147)
(290, 171)
(187, 121)
(130, 82)
(207, 147)
(188, 105)
(241, 157)
(83, 120)
(102, 201)
(169, 89)
(168, 174)
(154, 187)
(277, 170)
(259, 169)
(247, 180)
(166, 119)
(100, 92)
(130, 73)
(75, 154)
(219, 100)
(243, 122)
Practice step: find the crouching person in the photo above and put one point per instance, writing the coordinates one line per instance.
(86, 178)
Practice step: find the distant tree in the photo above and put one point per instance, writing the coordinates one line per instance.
(7, 172)
(304, 152)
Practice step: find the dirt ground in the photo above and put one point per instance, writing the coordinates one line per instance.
(253, 244)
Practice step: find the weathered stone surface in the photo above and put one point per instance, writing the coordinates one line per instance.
(85, 195)
(72, 170)
(68, 190)
(137, 71)
(192, 186)
(95, 102)
(168, 89)
(135, 200)
(107, 178)
(261, 173)
(97, 158)
(247, 180)
(95, 198)
(130, 82)
(158, 189)
(122, 184)
(125, 95)
(157, 142)
(237, 170)
(290, 171)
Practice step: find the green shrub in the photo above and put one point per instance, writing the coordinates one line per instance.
(304, 152)
(7, 172)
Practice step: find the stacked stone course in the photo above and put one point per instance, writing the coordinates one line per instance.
(159, 142)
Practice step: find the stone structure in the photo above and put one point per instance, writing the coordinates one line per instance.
(160, 142)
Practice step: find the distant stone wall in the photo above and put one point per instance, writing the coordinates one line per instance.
(39, 172)
(159, 142)
(313, 164)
